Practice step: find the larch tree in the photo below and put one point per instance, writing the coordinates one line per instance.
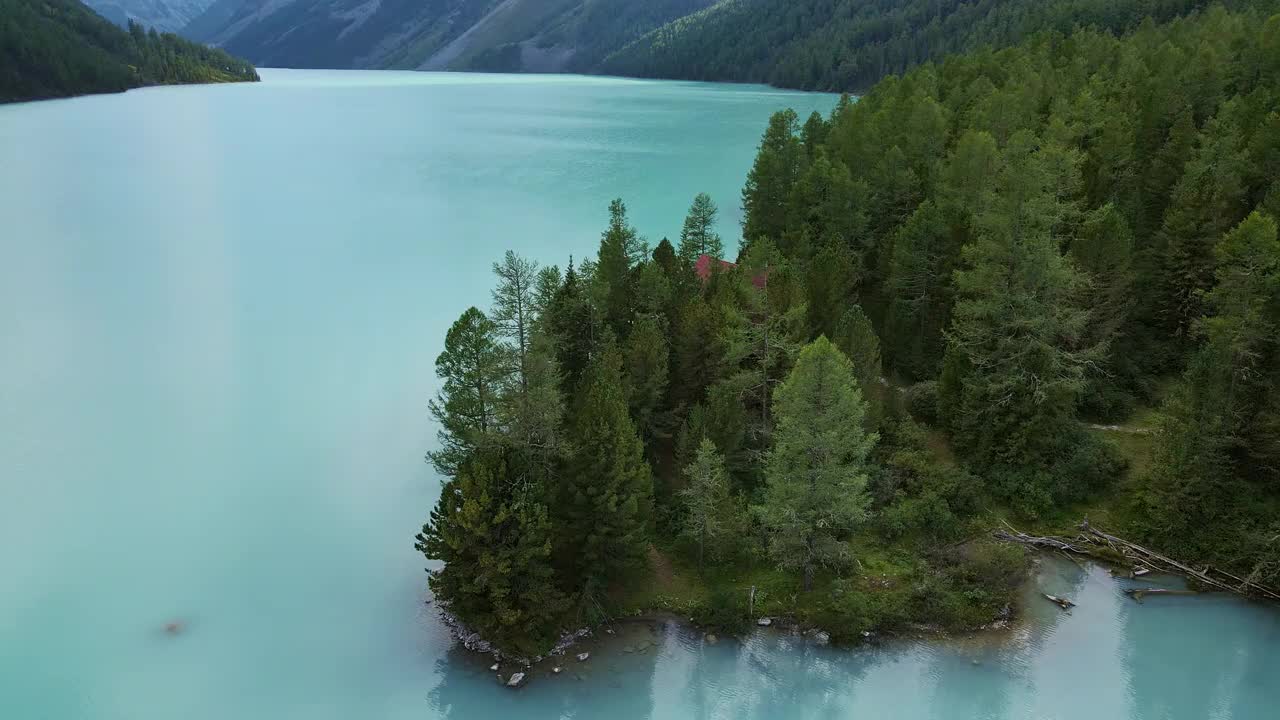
(514, 312)
(816, 474)
(466, 407)
(706, 499)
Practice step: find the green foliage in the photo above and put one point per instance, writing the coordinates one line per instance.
(59, 48)
(848, 45)
(1207, 493)
(1018, 324)
(645, 361)
(496, 547)
(1030, 236)
(606, 496)
(914, 493)
(621, 250)
(725, 610)
(466, 406)
(766, 196)
(816, 472)
(708, 513)
(698, 236)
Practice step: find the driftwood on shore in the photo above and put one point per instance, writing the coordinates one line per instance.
(1097, 544)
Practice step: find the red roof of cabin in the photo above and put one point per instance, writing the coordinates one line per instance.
(703, 268)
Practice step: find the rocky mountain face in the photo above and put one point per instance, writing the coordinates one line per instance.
(498, 35)
(165, 15)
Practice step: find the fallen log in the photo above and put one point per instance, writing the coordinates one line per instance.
(1139, 593)
(1061, 602)
(1138, 560)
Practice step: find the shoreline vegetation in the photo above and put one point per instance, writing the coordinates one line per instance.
(61, 48)
(1021, 286)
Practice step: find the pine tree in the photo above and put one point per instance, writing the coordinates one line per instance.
(919, 292)
(607, 491)
(533, 414)
(1207, 201)
(765, 198)
(497, 576)
(646, 359)
(545, 288)
(574, 322)
(621, 251)
(1016, 363)
(817, 471)
(706, 499)
(854, 336)
(762, 338)
(698, 350)
(830, 285)
(698, 236)
(471, 367)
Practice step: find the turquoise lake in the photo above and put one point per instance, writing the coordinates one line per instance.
(219, 312)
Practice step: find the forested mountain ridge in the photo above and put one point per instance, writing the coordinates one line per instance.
(512, 35)
(1025, 241)
(59, 48)
(163, 15)
(848, 45)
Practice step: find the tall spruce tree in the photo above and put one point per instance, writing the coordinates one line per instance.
(766, 196)
(573, 321)
(698, 236)
(1015, 355)
(816, 476)
(621, 251)
(1203, 480)
(466, 407)
(607, 490)
(645, 362)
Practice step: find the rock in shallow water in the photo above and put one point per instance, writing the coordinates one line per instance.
(515, 680)
(583, 656)
(764, 622)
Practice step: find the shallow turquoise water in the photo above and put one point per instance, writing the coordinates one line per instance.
(219, 309)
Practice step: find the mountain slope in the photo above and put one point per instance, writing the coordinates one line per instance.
(511, 35)
(164, 15)
(847, 45)
(58, 48)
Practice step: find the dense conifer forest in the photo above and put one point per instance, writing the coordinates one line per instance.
(59, 48)
(848, 45)
(1029, 284)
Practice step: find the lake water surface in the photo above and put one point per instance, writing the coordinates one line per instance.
(219, 312)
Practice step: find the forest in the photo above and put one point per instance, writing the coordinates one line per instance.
(1032, 284)
(848, 45)
(60, 48)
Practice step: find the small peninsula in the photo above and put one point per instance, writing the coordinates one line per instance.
(1021, 288)
(61, 48)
